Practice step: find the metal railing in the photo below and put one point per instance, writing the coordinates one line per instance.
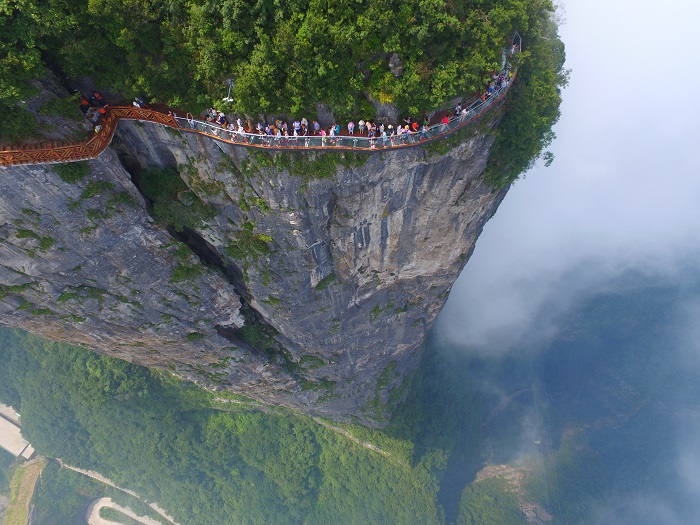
(345, 142)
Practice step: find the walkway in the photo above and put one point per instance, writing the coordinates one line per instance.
(92, 514)
(55, 152)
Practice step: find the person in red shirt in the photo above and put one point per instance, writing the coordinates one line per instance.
(445, 121)
(97, 99)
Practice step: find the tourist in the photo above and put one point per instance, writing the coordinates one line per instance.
(191, 121)
(351, 127)
(97, 99)
(84, 104)
(361, 124)
(92, 115)
(445, 121)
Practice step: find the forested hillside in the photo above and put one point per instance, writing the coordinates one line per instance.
(234, 465)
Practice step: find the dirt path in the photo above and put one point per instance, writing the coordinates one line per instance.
(343, 432)
(23, 484)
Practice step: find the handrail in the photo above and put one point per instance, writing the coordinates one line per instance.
(343, 142)
(53, 152)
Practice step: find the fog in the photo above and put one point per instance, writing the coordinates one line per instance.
(621, 198)
(623, 190)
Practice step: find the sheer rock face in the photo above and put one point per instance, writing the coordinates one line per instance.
(360, 263)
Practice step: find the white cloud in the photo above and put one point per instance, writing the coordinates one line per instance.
(623, 191)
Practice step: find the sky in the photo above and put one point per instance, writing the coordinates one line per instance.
(622, 194)
(624, 189)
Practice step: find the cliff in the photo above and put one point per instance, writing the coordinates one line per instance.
(309, 280)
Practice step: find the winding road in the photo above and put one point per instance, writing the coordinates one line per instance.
(92, 514)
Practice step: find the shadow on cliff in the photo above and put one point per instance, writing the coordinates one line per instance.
(456, 416)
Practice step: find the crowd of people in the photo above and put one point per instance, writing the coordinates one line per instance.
(290, 133)
(94, 107)
(283, 133)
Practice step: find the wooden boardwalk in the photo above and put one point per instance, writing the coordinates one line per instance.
(56, 152)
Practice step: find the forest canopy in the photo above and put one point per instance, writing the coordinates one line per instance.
(284, 56)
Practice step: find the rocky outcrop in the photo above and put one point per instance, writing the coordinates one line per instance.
(312, 286)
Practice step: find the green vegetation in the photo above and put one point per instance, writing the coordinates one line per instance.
(186, 272)
(45, 242)
(17, 123)
(259, 336)
(526, 128)
(374, 312)
(111, 514)
(7, 469)
(94, 188)
(15, 289)
(172, 202)
(137, 426)
(194, 336)
(199, 184)
(490, 502)
(376, 408)
(325, 282)
(81, 293)
(247, 243)
(311, 362)
(72, 172)
(62, 107)
(22, 488)
(26, 234)
(284, 56)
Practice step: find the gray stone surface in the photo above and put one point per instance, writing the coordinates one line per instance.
(359, 265)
